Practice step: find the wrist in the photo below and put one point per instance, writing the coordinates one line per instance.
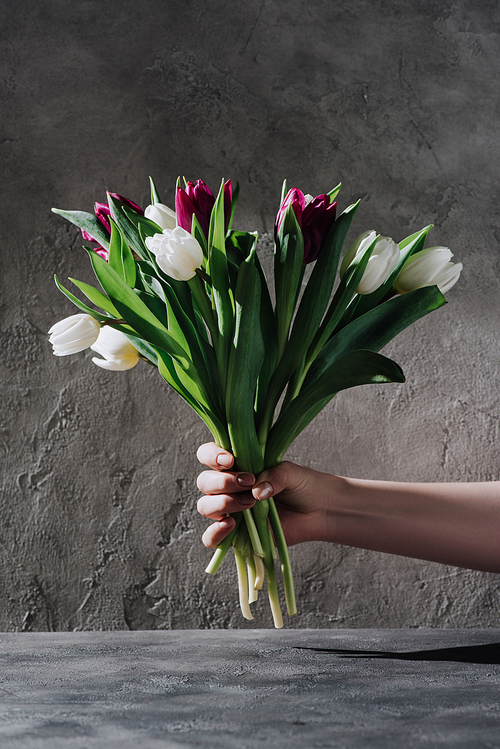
(333, 506)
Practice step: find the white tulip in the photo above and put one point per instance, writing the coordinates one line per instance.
(178, 253)
(73, 334)
(359, 245)
(383, 260)
(428, 267)
(161, 215)
(115, 347)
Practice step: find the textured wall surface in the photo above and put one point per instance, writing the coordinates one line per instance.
(400, 101)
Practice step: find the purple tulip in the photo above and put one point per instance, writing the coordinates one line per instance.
(198, 199)
(315, 216)
(103, 212)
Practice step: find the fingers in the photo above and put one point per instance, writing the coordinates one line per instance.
(214, 457)
(217, 532)
(218, 506)
(213, 482)
(274, 480)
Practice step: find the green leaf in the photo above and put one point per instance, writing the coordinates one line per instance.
(358, 367)
(149, 270)
(120, 257)
(315, 298)
(129, 230)
(151, 282)
(283, 191)
(144, 226)
(79, 304)
(155, 305)
(97, 297)
(219, 275)
(135, 312)
(245, 361)
(239, 245)
(343, 296)
(270, 339)
(138, 315)
(201, 353)
(415, 242)
(155, 198)
(377, 327)
(88, 222)
(288, 272)
(333, 193)
(198, 234)
(169, 373)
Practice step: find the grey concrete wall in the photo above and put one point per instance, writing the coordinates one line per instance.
(400, 101)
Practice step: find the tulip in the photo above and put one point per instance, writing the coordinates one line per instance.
(178, 253)
(428, 268)
(73, 334)
(315, 216)
(383, 260)
(161, 215)
(115, 347)
(198, 199)
(103, 212)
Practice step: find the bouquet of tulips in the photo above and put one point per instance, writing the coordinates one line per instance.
(186, 292)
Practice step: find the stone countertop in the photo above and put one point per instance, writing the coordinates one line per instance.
(242, 689)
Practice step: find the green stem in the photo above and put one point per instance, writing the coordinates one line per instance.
(241, 569)
(286, 567)
(223, 548)
(253, 533)
(272, 591)
(253, 593)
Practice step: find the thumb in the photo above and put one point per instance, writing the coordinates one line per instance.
(273, 481)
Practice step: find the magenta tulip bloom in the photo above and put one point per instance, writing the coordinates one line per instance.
(198, 199)
(103, 212)
(315, 216)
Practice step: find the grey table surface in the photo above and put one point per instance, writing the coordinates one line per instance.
(244, 688)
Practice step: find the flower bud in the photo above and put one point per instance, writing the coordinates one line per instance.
(178, 253)
(197, 198)
(103, 213)
(359, 245)
(115, 347)
(383, 260)
(161, 215)
(315, 217)
(73, 334)
(428, 267)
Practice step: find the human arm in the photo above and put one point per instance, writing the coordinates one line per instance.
(451, 523)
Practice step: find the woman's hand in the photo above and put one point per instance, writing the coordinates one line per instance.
(302, 496)
(455, 523)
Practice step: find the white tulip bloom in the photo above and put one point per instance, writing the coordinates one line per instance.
(359, 245)
(73, 334)
(161, 215)
(382, 262)
(115, 347)
(428, 267)
(178, 253)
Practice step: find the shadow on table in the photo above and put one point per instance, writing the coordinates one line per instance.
(468, 654)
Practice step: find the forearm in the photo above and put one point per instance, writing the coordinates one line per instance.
(457, 524)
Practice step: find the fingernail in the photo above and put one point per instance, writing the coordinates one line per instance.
(226, 523)
(245, 479)
(263, 491)
(245, 499)
(224, 460)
